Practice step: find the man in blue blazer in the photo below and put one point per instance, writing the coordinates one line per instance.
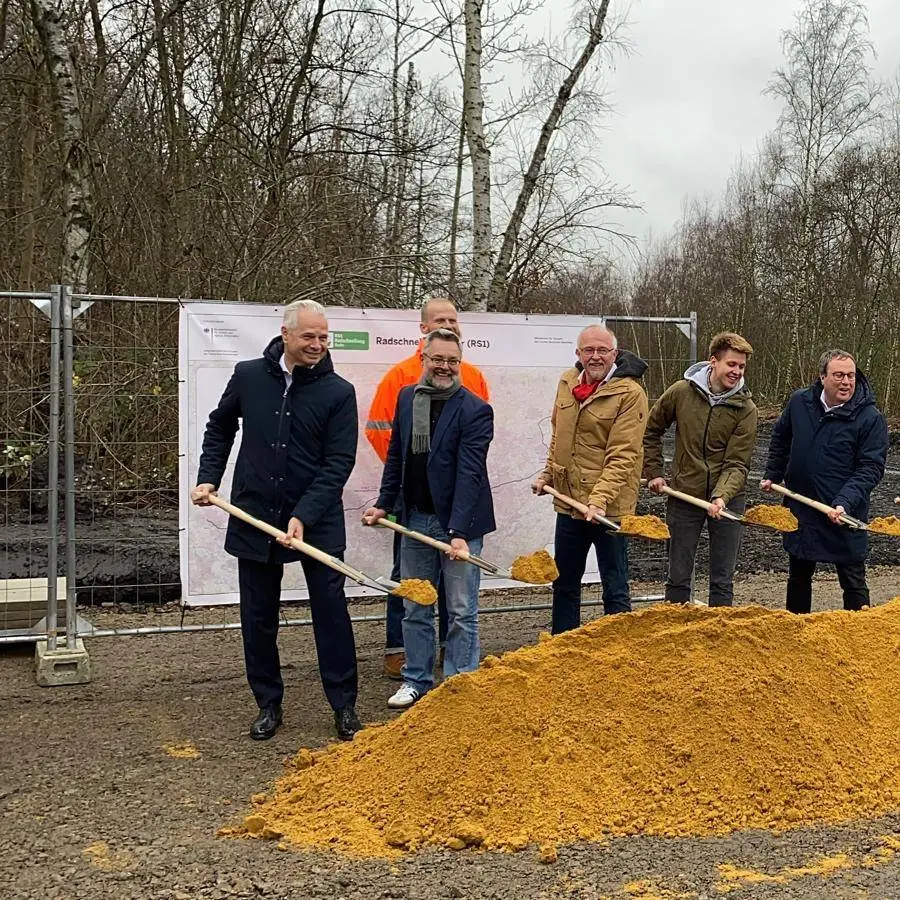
(298, 447)
(436, 476)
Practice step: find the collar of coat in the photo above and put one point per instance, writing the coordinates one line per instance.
(301, 374)
(628, 368)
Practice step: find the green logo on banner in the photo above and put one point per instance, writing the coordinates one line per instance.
(349, 340)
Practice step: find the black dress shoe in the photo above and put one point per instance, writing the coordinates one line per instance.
(266, 723)
(347, 723)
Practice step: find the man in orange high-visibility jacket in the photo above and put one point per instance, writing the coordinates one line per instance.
(439, 312)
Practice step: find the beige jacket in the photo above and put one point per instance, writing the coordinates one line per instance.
(596, 451)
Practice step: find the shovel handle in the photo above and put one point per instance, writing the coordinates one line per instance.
(575, 504)
(418, 536)
(465, 556)
(296, 543)
(699, 502)
(816, 504)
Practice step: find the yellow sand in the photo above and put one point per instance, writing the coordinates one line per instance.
(182, 751)
(651, 527)
(671, 721)
(418, 590)
(779, 517)
(888, 525)
(535, 568)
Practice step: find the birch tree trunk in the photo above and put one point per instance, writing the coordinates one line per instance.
(529, 182)
(480, 157)
(76, 161)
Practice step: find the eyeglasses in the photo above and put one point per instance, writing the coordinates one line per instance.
(843, 376)
(449, 361)
(596, 351)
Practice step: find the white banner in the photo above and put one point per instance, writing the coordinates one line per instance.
(520, 356)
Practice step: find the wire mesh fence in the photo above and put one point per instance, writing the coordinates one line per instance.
(125, 393)
(110, 526)
(25, 459)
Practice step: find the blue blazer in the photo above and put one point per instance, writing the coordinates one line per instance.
(457, 464)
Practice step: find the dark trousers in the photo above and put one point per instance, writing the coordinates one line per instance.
(260, 587)
(394, 637)
(573, 541)
(685, 524)
(851, 576)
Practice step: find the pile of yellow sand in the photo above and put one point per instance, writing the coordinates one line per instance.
(887, 525)
(651, 527)
(672, 721)
(418, 590)
(535, 568)
(779, 517)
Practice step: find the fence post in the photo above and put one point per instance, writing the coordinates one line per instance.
(693, 336)
(68, 317)
(53, 466)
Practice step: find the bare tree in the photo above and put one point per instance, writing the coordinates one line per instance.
(828, 101)
(76, 161)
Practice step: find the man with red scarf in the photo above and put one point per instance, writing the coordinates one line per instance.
(596, 455)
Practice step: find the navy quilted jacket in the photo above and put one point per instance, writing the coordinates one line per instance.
(297, 450)
(837, 457)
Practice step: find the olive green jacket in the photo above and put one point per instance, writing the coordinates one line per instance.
(713, 444)
(595, 452)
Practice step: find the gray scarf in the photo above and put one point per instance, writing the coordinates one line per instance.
(421, 410)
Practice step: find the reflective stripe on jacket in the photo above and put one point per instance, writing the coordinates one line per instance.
(384, 403)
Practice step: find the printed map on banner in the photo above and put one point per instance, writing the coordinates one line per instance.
(521, 358)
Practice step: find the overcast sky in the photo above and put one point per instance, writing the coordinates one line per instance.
(688, 99)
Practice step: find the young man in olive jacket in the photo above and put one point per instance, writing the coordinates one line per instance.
(715, 430)
(299, 429)
(595, 456)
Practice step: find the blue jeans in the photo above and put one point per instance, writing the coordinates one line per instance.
(573, 541)
(395, 611)
(461, 580)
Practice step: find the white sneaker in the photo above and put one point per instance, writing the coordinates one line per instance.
(405, 696)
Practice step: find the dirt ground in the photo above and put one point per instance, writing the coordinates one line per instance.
(92, 806)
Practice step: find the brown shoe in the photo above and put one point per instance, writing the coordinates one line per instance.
(393, 664)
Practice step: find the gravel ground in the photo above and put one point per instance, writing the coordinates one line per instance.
(93, 807)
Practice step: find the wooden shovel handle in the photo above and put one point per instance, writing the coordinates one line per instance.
(296, 543)
(815, 504)
(418, 536)
(575, 504)
(699, 502)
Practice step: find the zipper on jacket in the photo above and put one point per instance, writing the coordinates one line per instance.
(276, 489)
(705, 459)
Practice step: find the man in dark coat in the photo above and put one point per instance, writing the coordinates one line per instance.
(830, 444)
(297, 450)
(436, 476)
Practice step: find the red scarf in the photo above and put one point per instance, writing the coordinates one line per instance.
(584, 389)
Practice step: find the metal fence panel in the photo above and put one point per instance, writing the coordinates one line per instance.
(120, 381)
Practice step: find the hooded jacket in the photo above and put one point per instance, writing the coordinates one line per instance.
(836, 457)
(595, 452)
(298, 448)
(714, 436)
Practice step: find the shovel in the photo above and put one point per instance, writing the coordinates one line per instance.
(849, 521)
(376, 584)
(482, 564)
(600, 520)
(703, 504)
